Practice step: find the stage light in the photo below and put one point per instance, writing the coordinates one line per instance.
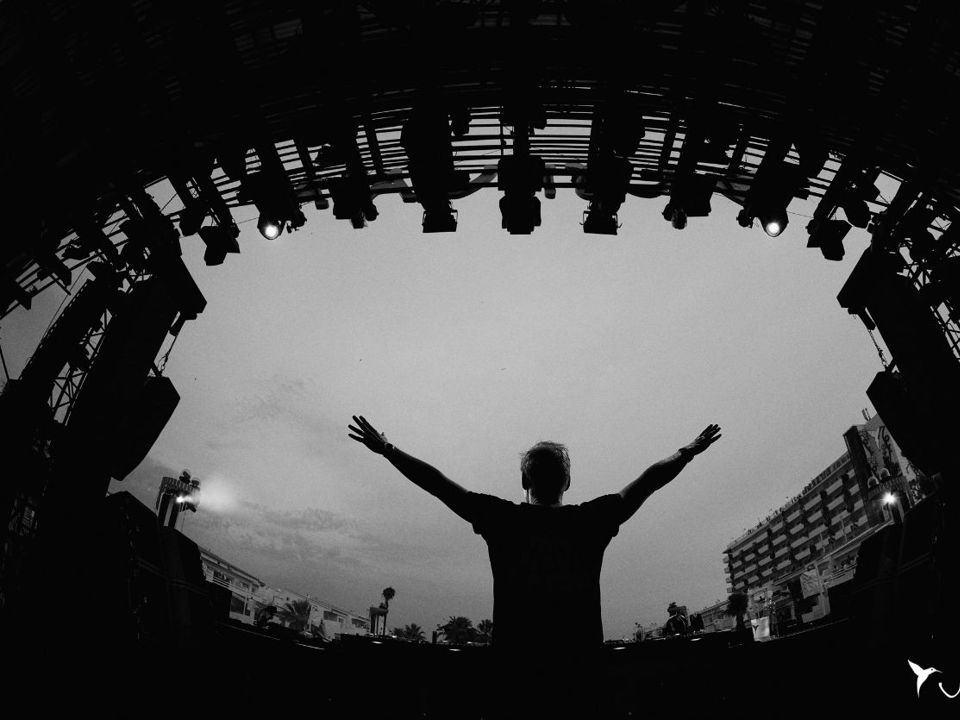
(828, 236)
(519, 215)
(279, 210)
(856, 210)
(889, 499)
(353, 200)
(219, 240)
(605, 184)
(191, 217)
(598, 222)
(675, 214)
(773, 220)
(520, 177)
(269, 227)
(440, 220)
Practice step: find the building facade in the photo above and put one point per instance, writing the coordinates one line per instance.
(249, 594)
(242, 585)
(788, 562)
(715, 617)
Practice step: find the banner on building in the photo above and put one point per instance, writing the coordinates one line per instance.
(809, 583)
(761, 628)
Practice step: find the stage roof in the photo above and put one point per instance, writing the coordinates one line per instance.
(104, 99)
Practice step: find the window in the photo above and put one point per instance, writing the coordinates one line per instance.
(236, 604)
(221, 577)
(332, 616)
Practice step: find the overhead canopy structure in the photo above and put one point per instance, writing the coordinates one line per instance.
(277, 103)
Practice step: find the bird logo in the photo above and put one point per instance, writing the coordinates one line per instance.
(921, 673)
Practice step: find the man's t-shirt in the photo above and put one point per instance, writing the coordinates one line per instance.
(546, 568)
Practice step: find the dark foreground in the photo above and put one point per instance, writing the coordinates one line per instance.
(123, 625)
(242, 673)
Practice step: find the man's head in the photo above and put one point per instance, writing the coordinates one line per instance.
(545, 472)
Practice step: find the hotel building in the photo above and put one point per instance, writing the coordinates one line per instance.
(788, 562)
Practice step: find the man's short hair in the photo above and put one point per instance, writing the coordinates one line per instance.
(545, 469)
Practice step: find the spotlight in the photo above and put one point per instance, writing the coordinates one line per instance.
(598, 222)
(773, 220)
(519, 215)
(191, 217)
(269, 227)
(440, 220)
(828, 236)
(856, 210)
(675, 214)
(279, 210)
(606, 183)
(353, 200)
(770, 193)
(219, 240)
(889, 498)
(520, 177)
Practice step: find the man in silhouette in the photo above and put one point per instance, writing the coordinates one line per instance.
(546, 559)
(677, 622)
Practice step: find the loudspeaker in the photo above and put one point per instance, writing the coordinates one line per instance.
(911, 425)
(191, 609)
(124, 562)
(132, 341)
(114, 383)
(872, 599)
(929, 372)
(144, 420)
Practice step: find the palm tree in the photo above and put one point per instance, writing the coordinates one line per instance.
(297, 614)
(458, 630)
(737, 607)
(388, 595)
(318, 632)
(410, 632)
(485, 631)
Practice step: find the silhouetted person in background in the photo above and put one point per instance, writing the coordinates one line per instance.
(546, 559)
(677, 622)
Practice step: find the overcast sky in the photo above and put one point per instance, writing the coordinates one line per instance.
(466, 349)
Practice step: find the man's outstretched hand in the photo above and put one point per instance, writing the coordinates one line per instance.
(365, 433)
(704, 440)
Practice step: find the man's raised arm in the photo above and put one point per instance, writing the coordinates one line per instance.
(662, 472)
(417, 471)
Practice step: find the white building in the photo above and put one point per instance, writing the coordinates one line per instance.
(249, 594)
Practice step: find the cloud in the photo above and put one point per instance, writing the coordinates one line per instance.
(306, 520)
(310, 549)
(292, 402)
